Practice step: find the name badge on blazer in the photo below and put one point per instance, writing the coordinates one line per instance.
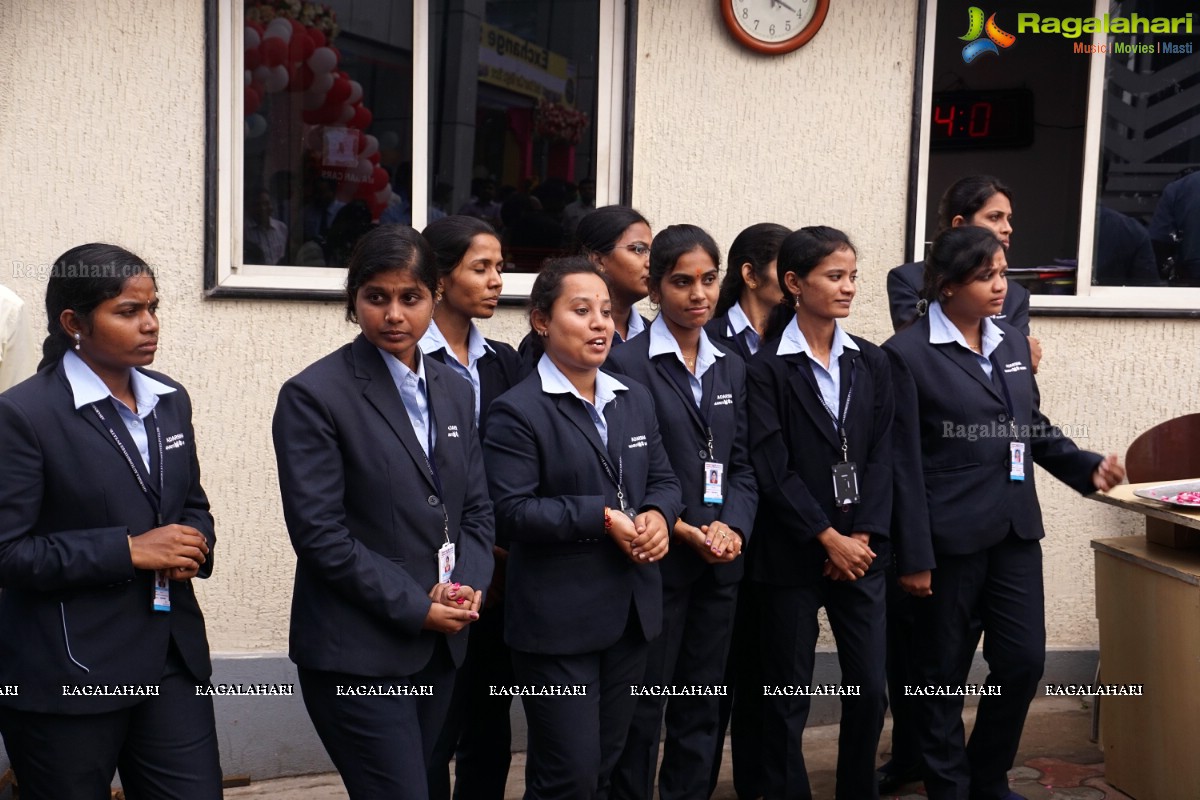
(174, 441)
(452, 432)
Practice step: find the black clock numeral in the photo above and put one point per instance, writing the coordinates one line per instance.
(745, 13)
(755, 24)
(787, 24)
(771, 30)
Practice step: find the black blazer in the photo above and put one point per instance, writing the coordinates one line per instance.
(953, 494)
(684, 430)
(569, 587)
(794, 446)
(904, 286)
(74, 611)
(499, 371)
(717, 329)
(364, 515)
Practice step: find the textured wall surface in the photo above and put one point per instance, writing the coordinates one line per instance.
(102, 138)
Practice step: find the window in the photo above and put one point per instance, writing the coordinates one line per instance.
(330, 118)
(1091, 126)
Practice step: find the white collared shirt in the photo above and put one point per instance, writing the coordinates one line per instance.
(88, 388)
(411, 386)
(477, 348)
(943, 331)
(636, 326)
(738, 322)
(555, 382)
(829, 379)
(663, 343)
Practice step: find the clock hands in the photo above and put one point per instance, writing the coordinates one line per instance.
(785, 5)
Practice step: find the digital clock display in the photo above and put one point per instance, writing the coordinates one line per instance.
(981, 119)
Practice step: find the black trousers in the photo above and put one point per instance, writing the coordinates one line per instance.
(380, 743)
(741, 712)
(1001, 588)
(788, 614)
(477, 733)
(691, 652)
(164, 747)
(574, 741)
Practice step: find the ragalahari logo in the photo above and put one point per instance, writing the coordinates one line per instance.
(976, 27)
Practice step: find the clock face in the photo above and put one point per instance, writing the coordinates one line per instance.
(773, 26)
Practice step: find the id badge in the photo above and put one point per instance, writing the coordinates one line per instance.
(714, 483)
(1016, 461)
(845, 484)
(445, 558)
(162, 591)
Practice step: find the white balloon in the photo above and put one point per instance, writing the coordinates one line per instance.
(312, 100)
(384, 195)
(364, 169)
(322, 60)
(262, 74)
(389, 141)
(248, 78)
(355, 92)
(322, 83)
(279, 28)
(277, 79)
(347, 114)
(256, 126)
(253, 40)
(371, 148)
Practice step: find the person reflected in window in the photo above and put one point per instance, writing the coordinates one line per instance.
(1124, 253)
(582, 206)
(1175, 229)
(320, 212)
(263, 231)
(483, 203)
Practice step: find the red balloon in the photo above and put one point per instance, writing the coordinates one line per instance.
(297, 29)
(379, 179)
(301, 46)
(274, 51)
(339, 92)
(374, 158)
(362, 117)
(336, 52)
(365, 191)
(317, 36)
(302, 78)
(377, 208)
(252, 100)
(253, 57)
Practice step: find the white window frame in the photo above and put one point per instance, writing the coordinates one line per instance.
(225, 272)
(1088, 299)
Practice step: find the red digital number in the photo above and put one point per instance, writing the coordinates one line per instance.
(947, 121)
(981, 120)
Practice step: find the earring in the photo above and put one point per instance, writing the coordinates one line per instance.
(437, 297)
(76, 341)
(752, 286)
(544, 334)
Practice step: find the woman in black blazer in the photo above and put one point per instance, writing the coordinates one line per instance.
(820, 442)
(617, 240)
(583, 491)
(749, 290)
(103, 524)
(386, 504)
(967, 520)
(699, 391)
(477, 732)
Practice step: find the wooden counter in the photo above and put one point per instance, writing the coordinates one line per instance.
(1148, 605)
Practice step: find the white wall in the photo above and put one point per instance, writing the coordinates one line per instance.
(102, 138)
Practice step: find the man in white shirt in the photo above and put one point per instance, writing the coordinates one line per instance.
(18, 356)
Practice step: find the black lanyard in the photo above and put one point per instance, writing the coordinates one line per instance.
(431, 463)
(617, 481)
(839, 424)
(155, 502)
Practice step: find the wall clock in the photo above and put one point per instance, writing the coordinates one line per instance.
(773, 27)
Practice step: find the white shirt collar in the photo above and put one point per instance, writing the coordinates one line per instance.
(663, 343)
(87, 387)
(636, 323)
(477, 346)
(738, 321)
(555, 382)
(399, 370)
(943, 331)
(793, 341)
